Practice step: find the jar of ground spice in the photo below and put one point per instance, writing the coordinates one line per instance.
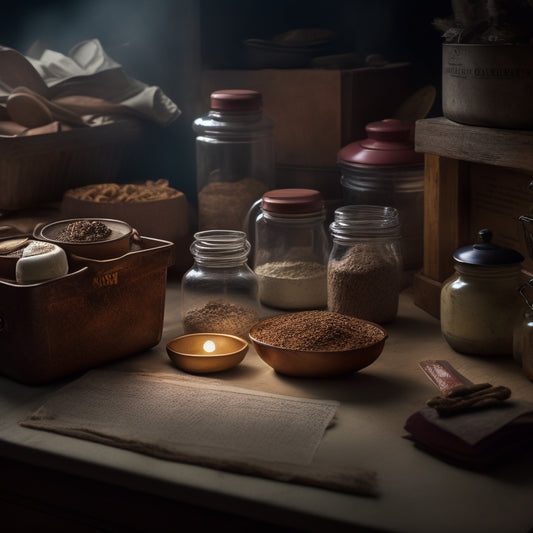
(220, 291)
(291, 249)
(234, 158)
(365, 263)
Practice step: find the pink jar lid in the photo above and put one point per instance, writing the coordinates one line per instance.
(236, 100)
(292, 201)
(388, 143)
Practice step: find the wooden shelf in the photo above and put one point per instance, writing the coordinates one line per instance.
(505, 148)
(474, 178)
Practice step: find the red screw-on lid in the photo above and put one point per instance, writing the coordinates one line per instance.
(388, 143)
(236, 100)
(292, 201)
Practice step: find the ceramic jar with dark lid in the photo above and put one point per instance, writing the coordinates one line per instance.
(385, 170)
(291, 249)
(234, 158)
(480, 303)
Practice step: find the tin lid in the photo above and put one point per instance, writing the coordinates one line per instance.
(292, 201)
(388, 144)
(236, 100)
(486, 253)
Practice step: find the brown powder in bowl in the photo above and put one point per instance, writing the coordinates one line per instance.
(313, 331)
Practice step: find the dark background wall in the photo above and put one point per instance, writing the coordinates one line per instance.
(167, 42)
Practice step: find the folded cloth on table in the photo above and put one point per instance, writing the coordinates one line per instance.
(476, 439)
(195, 420)
(86, 70)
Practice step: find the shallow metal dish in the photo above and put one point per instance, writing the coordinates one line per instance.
(117, 244)
(187, 352)
(317, 364)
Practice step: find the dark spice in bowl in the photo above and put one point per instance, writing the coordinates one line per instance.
(85, 231)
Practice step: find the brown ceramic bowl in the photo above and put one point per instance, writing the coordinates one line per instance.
(188, 352)
(318, 364)
(115, 245)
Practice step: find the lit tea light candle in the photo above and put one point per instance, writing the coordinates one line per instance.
(206, 352)
(209, 346)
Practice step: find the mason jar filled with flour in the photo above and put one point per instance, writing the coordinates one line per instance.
(234, 158)
(291, 249)
(365, 264)
(220, 291)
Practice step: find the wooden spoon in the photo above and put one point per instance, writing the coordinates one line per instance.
(11, 245)
(28, 111)
(33, 110)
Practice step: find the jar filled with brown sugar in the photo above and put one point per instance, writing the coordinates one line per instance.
(234, 158)
(365, 263)
(220, 291)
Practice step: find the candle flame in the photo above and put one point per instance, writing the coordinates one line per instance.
(209, 346)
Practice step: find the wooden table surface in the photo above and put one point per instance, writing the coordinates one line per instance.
(59, 480)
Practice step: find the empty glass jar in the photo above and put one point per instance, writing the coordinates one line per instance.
(365, 264)
(220, 291)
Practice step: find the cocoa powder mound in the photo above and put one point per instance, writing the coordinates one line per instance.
(323, 331)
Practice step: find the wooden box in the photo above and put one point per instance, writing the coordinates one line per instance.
(317, 111)
(99, 312)
(475, 178)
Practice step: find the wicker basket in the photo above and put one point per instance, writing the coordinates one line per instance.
(38, 169)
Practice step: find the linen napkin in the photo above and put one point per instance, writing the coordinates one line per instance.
(85, 70)
(196, 421)
(477, 439)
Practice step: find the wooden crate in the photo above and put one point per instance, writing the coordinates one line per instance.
(475, 178)
(318, 111)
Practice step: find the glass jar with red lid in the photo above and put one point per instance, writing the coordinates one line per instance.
(385, 170)
(291, 249)
(234, 158)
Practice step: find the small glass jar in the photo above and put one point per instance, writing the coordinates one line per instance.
(220, 291)
(385, 169)
(480, 304)
(291, 249)
(365, 264)
(234, 158)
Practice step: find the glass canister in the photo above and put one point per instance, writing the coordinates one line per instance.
(234, 158)
(384, 169)
(365, 264)
(291, 249)
(480, 304)
(220, 291)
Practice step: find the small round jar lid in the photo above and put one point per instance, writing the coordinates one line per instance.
(292, 201)
(236, 100)
(388, 144)
(486, 253)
